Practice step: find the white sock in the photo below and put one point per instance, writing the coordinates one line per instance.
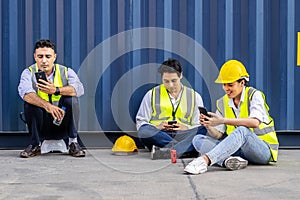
(72, 140)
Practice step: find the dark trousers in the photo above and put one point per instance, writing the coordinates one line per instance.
(40, 122)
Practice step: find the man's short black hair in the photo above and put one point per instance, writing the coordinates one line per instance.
(170, 66)
(44, 43)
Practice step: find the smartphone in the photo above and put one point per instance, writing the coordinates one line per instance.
(40, 75)
(203, 111)
(172, 122)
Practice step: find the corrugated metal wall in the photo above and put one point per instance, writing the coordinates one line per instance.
(116, 47)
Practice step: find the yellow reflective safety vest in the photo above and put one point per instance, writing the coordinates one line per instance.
(60, 79)
(163, 108)
(266, 132)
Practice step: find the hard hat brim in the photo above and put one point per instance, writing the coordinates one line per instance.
(222, 81)
(124, 153)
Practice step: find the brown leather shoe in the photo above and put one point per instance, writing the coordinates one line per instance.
(31, 151)
(75, 150)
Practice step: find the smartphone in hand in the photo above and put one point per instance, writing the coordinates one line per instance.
(172, 122)
(203, 111)
(40, 75)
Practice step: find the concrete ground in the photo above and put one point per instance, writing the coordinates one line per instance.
(101, 175)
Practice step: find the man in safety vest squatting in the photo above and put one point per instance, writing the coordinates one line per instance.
(50, 105)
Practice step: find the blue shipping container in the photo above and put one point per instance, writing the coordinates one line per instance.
(117, 46)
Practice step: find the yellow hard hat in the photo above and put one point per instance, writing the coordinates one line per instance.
(124, 144)
(232, 71)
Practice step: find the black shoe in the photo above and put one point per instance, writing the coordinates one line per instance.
(160, 153)
(31, 151)
(75, 150)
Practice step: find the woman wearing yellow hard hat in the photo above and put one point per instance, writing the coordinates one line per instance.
(241, 130)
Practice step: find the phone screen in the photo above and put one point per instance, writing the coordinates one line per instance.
(172, 122)
(203, 111)
(40, 75)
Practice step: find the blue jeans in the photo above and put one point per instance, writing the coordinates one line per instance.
(181, 141)
(241, 142)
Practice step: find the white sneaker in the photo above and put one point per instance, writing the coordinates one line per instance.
(235, 163)
(197, 166)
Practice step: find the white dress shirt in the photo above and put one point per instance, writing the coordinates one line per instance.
(145, 111)
(25, 85)
(257, 109)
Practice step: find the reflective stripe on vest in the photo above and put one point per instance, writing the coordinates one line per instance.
(60, 79)
(266, 132)
(163, 107)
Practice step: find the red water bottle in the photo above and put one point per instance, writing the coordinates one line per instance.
(173, 156)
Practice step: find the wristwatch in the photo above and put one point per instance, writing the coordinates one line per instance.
(57, 91)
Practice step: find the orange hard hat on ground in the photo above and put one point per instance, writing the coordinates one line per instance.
(231, 71)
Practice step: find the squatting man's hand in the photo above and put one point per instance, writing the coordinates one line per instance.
(174, 127)
(47, 87)
(213, 120)
(55, 111)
